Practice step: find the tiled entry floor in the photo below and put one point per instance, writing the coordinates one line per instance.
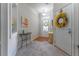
(37, 48)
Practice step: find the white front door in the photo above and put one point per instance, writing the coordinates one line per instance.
(63, 36)
(44, 23)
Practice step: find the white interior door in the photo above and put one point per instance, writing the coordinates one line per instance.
(63, 35)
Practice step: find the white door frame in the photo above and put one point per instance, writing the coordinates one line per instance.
(4, 29)
(76, 28)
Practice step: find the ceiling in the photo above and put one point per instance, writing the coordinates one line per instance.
(39, 7)
(58, 6)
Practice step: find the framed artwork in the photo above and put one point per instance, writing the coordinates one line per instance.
(25, 22)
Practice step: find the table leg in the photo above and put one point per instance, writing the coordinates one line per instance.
(26, 40)
(26, 43)
(21, 41)
(30, 38)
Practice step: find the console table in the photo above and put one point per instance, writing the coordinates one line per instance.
(25, 37)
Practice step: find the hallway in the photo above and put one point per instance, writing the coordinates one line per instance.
(36, 48)
(35, 21)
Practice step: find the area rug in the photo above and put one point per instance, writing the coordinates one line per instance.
(41, 39)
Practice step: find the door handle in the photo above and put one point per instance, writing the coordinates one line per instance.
(69, 30)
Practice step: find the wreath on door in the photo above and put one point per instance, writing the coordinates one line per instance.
(60, 20)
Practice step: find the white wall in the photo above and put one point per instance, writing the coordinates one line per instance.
(58, 6)
(32, 16)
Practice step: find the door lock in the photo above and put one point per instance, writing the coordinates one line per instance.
(78, 46)
(69, 31)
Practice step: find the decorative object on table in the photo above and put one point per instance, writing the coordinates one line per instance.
(60, 20)
(23, 31)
